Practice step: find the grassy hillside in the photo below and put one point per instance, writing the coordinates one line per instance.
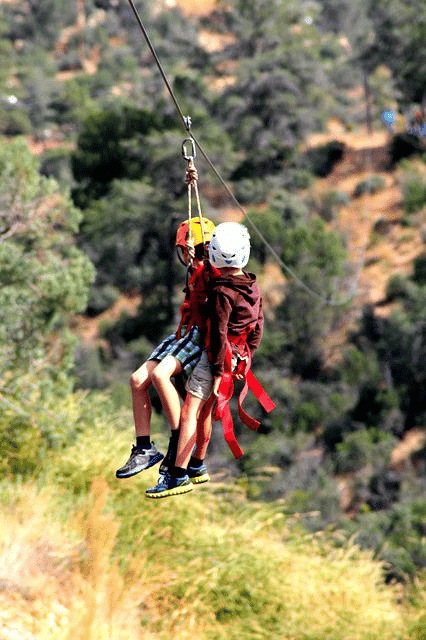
(85, 556)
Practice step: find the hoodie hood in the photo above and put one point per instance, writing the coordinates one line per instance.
(244, 284)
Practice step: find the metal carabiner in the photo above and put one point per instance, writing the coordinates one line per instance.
(186, 155)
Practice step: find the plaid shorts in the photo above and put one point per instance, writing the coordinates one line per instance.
(187, 349)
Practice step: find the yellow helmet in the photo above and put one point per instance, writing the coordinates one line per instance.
(200, 231)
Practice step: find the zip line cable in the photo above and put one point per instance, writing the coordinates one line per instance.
(186, 121)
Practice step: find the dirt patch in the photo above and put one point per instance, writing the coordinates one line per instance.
(193, 7)
(355, 139)
(413, 441)
(212, 42)
(88, 328)
(38, 147)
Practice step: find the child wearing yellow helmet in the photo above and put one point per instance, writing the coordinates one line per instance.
(176, 355)
(194, 235)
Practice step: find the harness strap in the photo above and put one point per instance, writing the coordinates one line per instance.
(228, 433)
(259, 392)
(193, 306)
(223, 411)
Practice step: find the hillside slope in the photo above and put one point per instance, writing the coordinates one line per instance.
(106, 564)
(380, 249)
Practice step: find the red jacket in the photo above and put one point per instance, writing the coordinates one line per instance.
(194, 307)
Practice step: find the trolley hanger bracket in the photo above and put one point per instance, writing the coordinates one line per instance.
(189, 155)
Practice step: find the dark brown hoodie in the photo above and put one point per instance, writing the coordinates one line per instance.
(235, 309)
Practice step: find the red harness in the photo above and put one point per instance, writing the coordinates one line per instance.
(237, 359)
(238, 363)
(194, 305)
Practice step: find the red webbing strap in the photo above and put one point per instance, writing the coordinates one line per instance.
(246, 418)
(259, 392)
(226, 389)
(252, 383)
(228, 433)
(223, 413)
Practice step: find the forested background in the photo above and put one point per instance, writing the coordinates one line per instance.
(90, 218)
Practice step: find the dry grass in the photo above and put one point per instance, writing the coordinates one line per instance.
(207, 564)
(59, 581)
(87, 557)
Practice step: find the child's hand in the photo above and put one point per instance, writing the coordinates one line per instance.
(216, 385)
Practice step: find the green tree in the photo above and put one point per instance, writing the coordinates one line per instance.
(39, 20)
(398, 343)
(103, 153)
(281, 87)
(44, 277)
(13, 114)
(313, 260)
(359, 23)
(44, 280)
(126, 235)
(399, 29)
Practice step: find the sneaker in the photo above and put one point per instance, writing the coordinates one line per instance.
(197, 475)
(168, 485)
(167, 462)
(139, 460)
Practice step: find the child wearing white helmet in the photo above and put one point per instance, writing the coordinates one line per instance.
(176, 355)
(235, 325)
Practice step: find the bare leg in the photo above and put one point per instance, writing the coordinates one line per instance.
(140, 381)
(188, 428)
(204, 429)
(161, 379)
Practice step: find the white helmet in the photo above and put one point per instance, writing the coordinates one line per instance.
(229, 246)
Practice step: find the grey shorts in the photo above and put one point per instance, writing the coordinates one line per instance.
(200, 382)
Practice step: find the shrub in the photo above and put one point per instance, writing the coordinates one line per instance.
(308, 489)
(404, 145)
(252, 191)
(374, 402)
(22, 446)
(14, 123)
(414, 190)
(101, 299)
(384, 489)
(360, 448)
(396, 535)
(331, 203)
(55, 163)
(322, 159)
(418, 630)
(419, 275)
(381, 226)
(89, 369)
(398, 564)
(294, 179)
(369, 185)
(306, 416)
